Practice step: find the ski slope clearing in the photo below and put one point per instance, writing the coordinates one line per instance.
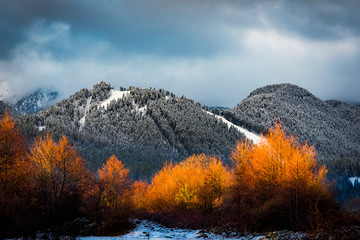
(114, 95)
(249, 135)
(86, 110)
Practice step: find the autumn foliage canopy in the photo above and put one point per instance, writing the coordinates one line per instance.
(275, 184)
(278, 181)
(197, 182)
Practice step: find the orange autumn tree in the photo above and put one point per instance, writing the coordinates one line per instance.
(114, 180)
(14, 178)
(276, 178)
(138, 190)
(58, 173)
(195, 183)
(12, 154)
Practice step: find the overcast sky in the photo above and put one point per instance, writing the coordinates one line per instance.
(215, 52)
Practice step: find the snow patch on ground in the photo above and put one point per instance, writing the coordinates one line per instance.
(142, 110)
(249, 135)
(87, 107)
(114, 95)
(137, 108)
(150, 230)
(353, 179)
(41, 128)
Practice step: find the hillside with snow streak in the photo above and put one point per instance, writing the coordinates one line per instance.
(142, 127)
(332, 126)
(255, 138)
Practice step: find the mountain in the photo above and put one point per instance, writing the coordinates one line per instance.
(37, 101)
(143, 127)
(332, 126)
(146, 127)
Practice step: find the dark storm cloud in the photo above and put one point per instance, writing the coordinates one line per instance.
(318, 19)
(157, 27)
(178, 27)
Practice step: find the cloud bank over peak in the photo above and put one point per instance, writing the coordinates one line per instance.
(215, 52)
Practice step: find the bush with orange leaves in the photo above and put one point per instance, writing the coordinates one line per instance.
(198, 182)
(278, 183)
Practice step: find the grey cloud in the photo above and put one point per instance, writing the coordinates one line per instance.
(182, 46)
(326, 19)
(180, 28)
(132, 26)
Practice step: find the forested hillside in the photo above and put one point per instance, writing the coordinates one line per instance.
(146, 127)
(332, 126)
(143, 127)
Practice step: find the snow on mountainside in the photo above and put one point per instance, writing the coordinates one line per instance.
(332, 126)
(36, 101)
(86, 110)
(146, 127)
(142, 127)
(255, 138)
(114, 96)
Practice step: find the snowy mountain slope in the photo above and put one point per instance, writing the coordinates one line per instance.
(143, 127)
(255, 138)
(114, 96)
(146, 127)
(36, 101)
(332, 126)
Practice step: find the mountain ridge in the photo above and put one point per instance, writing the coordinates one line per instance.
(148, 126)
(332, 126)
(36, 101)
(144, 127)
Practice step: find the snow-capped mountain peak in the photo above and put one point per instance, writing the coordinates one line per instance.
(37, 101)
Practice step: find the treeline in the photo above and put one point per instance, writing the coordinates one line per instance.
(276, 184)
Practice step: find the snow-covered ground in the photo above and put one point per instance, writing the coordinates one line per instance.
(41, 128)
(150, 230)
(251, 136)
(114, 95)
